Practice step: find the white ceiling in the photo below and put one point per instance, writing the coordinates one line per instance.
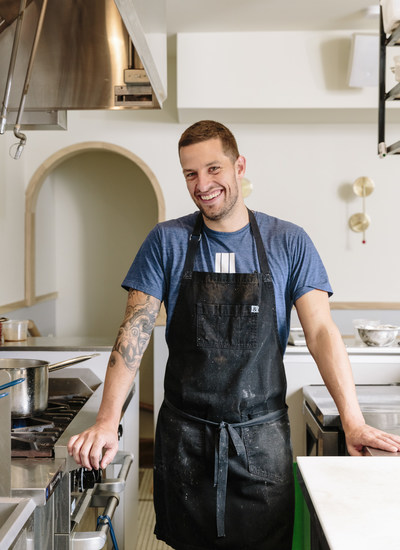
(268, 15)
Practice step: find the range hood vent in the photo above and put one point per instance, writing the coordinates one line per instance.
(92, 54)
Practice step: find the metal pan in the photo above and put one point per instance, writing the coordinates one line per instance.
(31, 398)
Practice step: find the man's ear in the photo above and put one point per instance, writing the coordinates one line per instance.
(240, 166)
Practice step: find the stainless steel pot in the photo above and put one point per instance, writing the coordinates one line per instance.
(31, 397)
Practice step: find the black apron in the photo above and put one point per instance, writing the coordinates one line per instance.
(223, 472)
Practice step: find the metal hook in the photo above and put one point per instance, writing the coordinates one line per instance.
(22, 141)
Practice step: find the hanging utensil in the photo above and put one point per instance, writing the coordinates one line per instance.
(12, 383)
(3, 116)
(17, 128)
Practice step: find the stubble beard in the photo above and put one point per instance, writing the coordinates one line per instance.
(224, 211)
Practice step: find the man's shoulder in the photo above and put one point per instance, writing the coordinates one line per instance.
(178, 225)
(276, 226)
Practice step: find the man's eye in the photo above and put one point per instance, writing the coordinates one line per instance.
(214, 169)
(190, 175)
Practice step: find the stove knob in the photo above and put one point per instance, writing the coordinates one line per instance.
(86, 479)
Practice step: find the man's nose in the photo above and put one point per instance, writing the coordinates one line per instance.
(203, 181)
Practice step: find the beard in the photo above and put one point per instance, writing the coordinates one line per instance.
(223, 211)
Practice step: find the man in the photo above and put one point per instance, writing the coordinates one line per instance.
(229, 278)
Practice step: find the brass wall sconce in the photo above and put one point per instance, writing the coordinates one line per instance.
(247, 187)
(360, 221)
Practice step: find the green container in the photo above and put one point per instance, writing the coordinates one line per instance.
(301, 534)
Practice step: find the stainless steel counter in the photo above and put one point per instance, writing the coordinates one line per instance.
(370, 451)
(36, 478)
(50, 343)
(380, 405)
(353, 347)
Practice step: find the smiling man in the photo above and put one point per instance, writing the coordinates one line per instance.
(229, 278)
(212, 175)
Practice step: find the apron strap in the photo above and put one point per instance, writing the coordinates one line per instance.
(194, 240)
(262, 255)
(227, 432)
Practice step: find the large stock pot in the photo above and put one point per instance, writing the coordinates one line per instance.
(31, 396)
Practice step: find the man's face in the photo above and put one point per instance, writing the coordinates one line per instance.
(212, 178)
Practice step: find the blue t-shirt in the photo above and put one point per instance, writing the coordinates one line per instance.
(294, 262)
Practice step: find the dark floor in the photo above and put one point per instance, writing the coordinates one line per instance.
(146, 449)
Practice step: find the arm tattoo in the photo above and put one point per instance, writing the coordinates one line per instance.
(135, 331)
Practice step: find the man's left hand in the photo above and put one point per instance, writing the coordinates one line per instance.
(367, 436)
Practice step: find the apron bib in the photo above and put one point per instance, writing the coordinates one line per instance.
(223, 461)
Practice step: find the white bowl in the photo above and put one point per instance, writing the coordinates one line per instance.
(381, 335)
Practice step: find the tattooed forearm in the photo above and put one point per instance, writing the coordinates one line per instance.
(135, 331)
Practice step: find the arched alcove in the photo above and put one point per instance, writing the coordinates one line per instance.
(35, 186)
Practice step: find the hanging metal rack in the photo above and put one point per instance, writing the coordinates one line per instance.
(392, 95)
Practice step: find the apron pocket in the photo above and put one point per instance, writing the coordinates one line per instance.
(269, 450)
(226, 326)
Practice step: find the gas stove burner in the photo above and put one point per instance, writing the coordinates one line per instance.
(37, 436)
(33, 443)
(30, 425)
(70, 401)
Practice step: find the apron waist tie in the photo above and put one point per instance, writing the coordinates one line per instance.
(226, 431)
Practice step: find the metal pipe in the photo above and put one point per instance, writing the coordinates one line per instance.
(109, 511)
(18, 134)
(3, 116)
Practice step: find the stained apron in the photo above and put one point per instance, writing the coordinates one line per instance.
(223, 460)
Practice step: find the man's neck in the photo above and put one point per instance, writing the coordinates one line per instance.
(230, 223)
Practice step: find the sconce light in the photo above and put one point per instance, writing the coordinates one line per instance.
(247, 187)
(359, 222)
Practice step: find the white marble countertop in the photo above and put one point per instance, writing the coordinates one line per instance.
(356, 499)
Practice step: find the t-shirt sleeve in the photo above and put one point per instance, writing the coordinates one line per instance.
(307, 270)
(146, 272)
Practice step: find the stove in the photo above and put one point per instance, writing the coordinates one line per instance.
(65, 495)
(37, 436)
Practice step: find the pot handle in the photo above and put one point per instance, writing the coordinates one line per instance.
(67, 362)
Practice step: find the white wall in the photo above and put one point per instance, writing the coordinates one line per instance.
(104, 206)
(302, 172)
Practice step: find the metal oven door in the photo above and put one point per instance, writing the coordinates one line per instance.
(90, 513)
(319, 441)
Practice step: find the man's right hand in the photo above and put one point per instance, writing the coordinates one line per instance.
(87, 447)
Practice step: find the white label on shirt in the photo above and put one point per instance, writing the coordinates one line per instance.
(225, 262)
(255, 309)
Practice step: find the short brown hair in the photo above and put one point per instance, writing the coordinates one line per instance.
(209, 129)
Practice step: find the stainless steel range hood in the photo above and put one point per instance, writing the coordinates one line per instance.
(92, 54)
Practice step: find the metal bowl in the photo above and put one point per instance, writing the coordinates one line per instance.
(382, 335)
